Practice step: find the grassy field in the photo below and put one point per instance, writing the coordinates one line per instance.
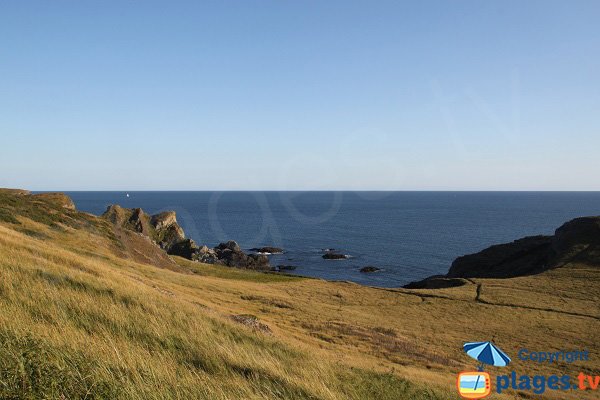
(82, 317)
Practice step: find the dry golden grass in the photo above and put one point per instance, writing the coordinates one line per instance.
(418, 334)
(76, 318)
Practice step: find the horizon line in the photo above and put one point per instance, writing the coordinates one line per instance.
(325, 190)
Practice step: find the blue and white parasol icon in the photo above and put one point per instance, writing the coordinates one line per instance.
(486, 353)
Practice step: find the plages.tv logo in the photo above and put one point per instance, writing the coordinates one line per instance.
(477, 384)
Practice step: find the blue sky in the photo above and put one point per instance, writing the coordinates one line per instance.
(220, 95)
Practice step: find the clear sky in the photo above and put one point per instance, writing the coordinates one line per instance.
(218, 95)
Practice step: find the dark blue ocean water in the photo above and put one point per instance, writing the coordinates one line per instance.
(410, 235)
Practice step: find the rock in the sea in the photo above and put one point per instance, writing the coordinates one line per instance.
(230, 245)
(267, 250)
(334, 256)
(369, 268)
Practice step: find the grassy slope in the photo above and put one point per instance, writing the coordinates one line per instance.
(77, 318)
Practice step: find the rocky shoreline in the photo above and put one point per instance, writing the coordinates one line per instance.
(578, 239)
(164, 230)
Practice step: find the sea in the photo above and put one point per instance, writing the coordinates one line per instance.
(407, 235)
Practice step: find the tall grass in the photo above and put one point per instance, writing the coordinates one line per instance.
(98, 327)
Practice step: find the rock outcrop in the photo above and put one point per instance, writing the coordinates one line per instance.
(575, 241)
(186, 248)
(164, 230)
(141, 222)
(167, 231)
(164, 220)
(267, 250)
(525, 256)
(232, 255)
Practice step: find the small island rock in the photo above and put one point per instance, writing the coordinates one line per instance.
(369, 268)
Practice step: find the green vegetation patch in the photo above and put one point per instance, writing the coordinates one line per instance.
(37, 209)
(223, 272)
(7, 216)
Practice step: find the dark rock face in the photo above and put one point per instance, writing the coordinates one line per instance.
(575, 241)
(187, 248)
(369, 268)
(267, 249)
(140, 221)
(334, 256)
(578, 239)
(230, 245)
(522, 257)
(231, 254)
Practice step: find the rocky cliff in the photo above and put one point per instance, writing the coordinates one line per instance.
(166, 232)
(575, 241)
